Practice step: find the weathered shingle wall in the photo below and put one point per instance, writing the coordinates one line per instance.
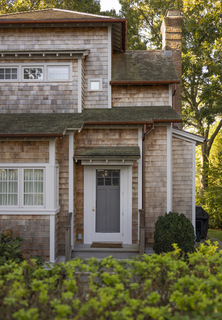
(182, 176)
(34, 229)
(35, 97)
(155, 154)
(57, 96)
(140, 96)
(24, 151)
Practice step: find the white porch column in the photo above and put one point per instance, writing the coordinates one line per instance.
(71, 182)
(194, 187)
(50, 201)
(140, 176)
(169, 168)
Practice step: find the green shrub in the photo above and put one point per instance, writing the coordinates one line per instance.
(173, 228)
(162, 287)
(10, 247)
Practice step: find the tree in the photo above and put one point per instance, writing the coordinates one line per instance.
(201, 55)
(11, 6)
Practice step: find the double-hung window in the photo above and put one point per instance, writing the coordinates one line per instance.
(22, 187)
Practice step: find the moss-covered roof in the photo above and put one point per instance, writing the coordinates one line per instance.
(144, 65)
(111, 153)
(55, 124)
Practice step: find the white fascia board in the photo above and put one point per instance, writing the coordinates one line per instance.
(191, 137)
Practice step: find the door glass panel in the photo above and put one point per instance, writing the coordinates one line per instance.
(108, 201)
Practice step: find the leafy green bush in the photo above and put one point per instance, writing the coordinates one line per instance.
(163, 287)
(10, 247)
(173, 228)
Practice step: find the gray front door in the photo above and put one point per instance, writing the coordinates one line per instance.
(107, 201)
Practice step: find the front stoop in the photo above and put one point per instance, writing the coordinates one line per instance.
(86, 251)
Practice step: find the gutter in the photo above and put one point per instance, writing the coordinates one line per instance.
(140, 83)
(29, 135)
(132, 122)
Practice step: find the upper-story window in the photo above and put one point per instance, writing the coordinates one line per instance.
(36, 72)
(32, 73)
(8, 73)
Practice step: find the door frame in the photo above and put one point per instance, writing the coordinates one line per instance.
(125, 235)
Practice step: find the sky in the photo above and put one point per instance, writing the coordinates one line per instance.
(109, 4)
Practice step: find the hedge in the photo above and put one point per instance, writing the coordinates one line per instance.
(154, 286)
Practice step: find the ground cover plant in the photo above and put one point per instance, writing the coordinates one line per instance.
(215, 234)
(159, 287)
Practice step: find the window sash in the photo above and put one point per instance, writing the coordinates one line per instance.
(8, 73)
(22, 187)
(8, 187)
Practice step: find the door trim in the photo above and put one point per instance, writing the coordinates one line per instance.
(125, 235)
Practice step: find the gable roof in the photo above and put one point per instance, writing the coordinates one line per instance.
(65, 18)
(52, 14)
(56, 124)
(143, 67)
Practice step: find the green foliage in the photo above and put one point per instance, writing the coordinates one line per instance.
(173, 228)
(10, 247)
(165, 287)
(11, 6)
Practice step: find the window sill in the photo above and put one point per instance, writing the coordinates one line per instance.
(33, 212)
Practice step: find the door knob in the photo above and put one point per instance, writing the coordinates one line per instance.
(93, 209)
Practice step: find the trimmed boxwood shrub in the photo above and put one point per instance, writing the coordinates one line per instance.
(173, 228)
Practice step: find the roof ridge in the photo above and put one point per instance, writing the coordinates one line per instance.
(57, 9)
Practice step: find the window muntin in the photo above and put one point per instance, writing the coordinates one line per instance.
(8, 187)
(58, 73)
(33, 187)
(8, 73)
(33, 73)
(22, 187)
(39, 72)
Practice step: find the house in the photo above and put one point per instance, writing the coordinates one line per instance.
(91, 129)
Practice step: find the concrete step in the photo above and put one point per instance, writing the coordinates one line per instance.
(85, 251)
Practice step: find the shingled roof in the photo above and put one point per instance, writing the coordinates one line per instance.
(52, 14)
(143, 67)
(56, 124)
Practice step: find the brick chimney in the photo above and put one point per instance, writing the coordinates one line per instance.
(172, 40)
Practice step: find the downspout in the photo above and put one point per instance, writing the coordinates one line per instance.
(174, 93)
(145, 133)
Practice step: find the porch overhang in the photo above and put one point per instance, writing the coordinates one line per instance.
(106, 153)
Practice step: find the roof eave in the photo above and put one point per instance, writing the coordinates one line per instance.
(142, 83)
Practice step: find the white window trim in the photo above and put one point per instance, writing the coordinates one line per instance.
(50, 202)
(99, 80)
(21, 66)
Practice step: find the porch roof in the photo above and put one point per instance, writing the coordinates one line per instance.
(56, 124)
(107, 152)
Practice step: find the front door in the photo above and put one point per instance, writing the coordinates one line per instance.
(107, 204)
(107, 201)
